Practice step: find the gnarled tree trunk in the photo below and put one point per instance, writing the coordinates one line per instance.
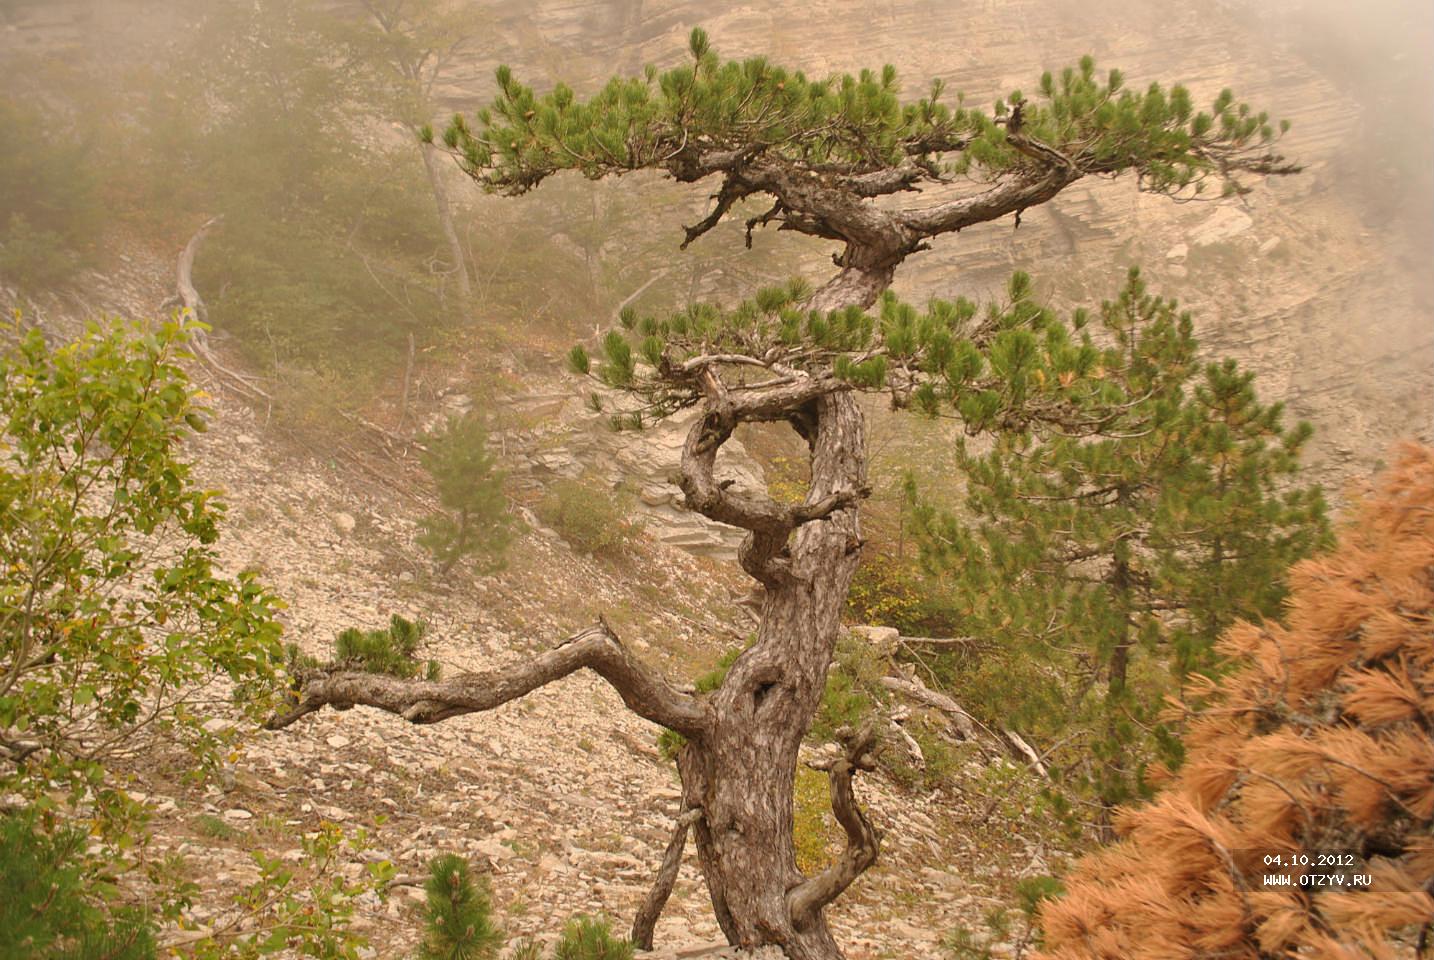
(738, 764)
(740, 772)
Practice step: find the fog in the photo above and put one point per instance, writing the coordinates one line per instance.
(1341, 327)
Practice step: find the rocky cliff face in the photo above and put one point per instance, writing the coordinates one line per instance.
(1312, 281)
(1318, 282)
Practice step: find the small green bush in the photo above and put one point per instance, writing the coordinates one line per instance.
(592, 520)
(458, 913)
(590, 938)
(713, 678)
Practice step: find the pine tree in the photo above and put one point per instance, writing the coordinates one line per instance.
(46, 912)
(1103, 566)
(470, 487)
(458, 913)
(1300, 824)
(819, 150)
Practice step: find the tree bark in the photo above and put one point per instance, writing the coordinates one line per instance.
(741, 772)
(445, 221)
(739, 761)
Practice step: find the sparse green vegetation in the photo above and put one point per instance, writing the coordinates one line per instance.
(470, 487)
(591, 519)
(208, 825)
(389, 651)
(811, 820)
(590, 938)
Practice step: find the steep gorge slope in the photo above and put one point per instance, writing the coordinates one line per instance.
(1333, 315)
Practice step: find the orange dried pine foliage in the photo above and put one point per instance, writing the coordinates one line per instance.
(1317, 742)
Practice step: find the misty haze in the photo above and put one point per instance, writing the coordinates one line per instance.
(613, 479)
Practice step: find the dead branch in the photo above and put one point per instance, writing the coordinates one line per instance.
(1026, 750)
(651, 909)
(190, 299)
(918, 691)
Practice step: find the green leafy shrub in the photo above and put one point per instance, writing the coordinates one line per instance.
(304, 907)
(713, 678)
(458, 913)
(470, 487)
(111, 614)
(49, 907)
(886, 593)
(110, 606)
(590, 938)
(389, 651)
(592, 520)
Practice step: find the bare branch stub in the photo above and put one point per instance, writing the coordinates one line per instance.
(651, 909)
(597, 648)
(863, 843)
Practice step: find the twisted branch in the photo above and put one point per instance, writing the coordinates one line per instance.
(863, 843)
(768, 522)
(597, 648)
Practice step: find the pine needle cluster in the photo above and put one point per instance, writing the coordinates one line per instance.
(46, 910)
(459, 922)
(854, 123)
(391, 651)
(1319, 743)
(590, 938)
